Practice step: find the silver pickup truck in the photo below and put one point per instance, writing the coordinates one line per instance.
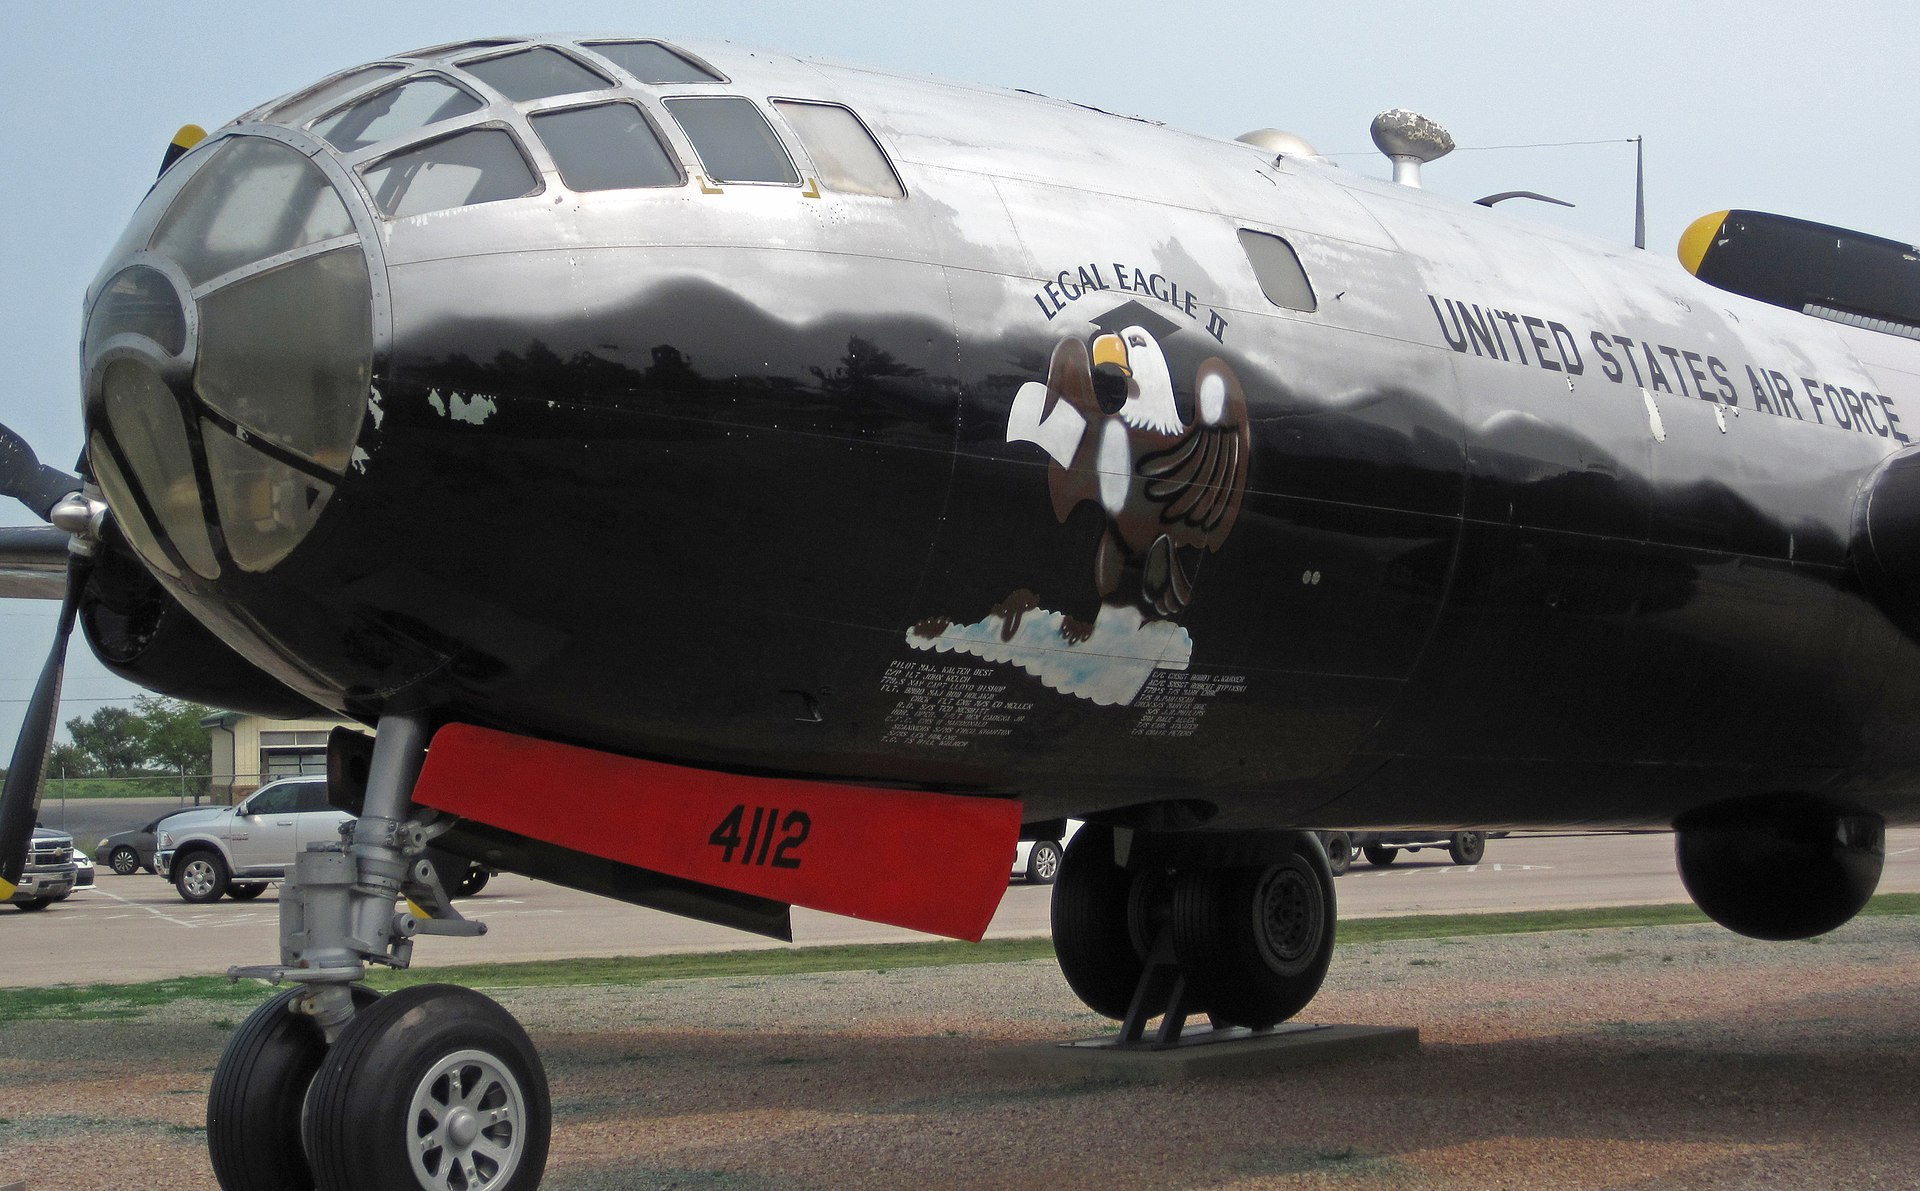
(50, 870)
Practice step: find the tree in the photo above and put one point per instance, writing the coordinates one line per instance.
(112, 740)
(68, 760)
(171, 734)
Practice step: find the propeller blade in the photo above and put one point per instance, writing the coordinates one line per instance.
(30, 481)
(20, 795)
(188, 136)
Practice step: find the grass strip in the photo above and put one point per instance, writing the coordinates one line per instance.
(120, 1001)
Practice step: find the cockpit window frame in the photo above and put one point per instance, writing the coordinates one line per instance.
(777, 105)
(311, 127)
(610, 83)
(759, 108)
(538, 165)
(676, 155)
(696, 61)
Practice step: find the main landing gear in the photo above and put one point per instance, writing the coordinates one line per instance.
(330, 1085)
(1240, 929)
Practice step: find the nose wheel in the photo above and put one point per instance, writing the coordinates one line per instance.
(434, 1088)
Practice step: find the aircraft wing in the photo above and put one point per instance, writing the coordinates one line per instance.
(33, 562)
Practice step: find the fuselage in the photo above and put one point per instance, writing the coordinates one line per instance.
(1532, 529)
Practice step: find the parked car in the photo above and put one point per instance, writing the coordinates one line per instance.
(49, 873)
(1037, 861)
(1384, 847)
(236, 850)
(82, 875)
(128, 852)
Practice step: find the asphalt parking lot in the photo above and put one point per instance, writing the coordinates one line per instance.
(137, 928)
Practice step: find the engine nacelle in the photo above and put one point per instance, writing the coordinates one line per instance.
(1780, 868)
(143, 634)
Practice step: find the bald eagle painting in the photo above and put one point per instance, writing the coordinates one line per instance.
(1170, 489)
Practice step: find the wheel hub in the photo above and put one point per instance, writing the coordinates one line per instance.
(467, 1123)
(1287, 910)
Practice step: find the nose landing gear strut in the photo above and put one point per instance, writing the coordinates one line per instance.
(330, 1085)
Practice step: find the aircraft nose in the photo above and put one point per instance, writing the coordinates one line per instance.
(228, 358)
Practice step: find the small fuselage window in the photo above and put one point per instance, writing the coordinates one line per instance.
(414, 104)
(1282, 278)
(536, 74)
(480, 165)
(734, 140)
(651, 62)
(844, 153)
(608, 146)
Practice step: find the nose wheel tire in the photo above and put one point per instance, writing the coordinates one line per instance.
(1091, 933)
(200, 876)
(434, 1088)
(1254, 942)
(253, 1108)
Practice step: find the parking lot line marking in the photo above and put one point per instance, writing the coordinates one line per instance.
(162, 915)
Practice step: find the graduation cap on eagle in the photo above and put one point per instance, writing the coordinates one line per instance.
(1171, 486)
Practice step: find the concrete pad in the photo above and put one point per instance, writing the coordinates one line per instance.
(1205, 1053)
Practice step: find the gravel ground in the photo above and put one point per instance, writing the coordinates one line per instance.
(1659, 1057)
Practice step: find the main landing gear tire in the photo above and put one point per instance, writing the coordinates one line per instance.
(253, 1109)
(1467, 847)
(434, 1088)
(1254, 942)
(1379, 854)
(200, 877)
(1092, 936)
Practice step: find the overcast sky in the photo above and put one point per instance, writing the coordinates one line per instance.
(1786, 107)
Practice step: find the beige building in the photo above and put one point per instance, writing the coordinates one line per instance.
(250, 751)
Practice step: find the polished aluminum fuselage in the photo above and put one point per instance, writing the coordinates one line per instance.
(701, 472)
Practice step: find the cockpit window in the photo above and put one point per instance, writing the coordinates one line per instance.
(734, 141)
(536, 74)
(843, 151)
(255, 199)
(480, 165)
(1279, 271)
(313, 99)
(609, 146)
(412, 105)
(651, 62)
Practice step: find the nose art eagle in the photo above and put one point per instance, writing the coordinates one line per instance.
(1171, 489)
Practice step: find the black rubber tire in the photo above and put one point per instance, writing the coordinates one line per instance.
(253, 1108)
(473, 881)
(1380, 854)
(32, 904)
(217, 883)
(1254, 942)
(1467, 847)
(1043, 863)
(1091, 938)
(246, 891)
(124, 860)
(1339, 847)
(359, 1131)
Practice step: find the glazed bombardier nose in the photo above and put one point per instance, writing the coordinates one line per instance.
(228, 358)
